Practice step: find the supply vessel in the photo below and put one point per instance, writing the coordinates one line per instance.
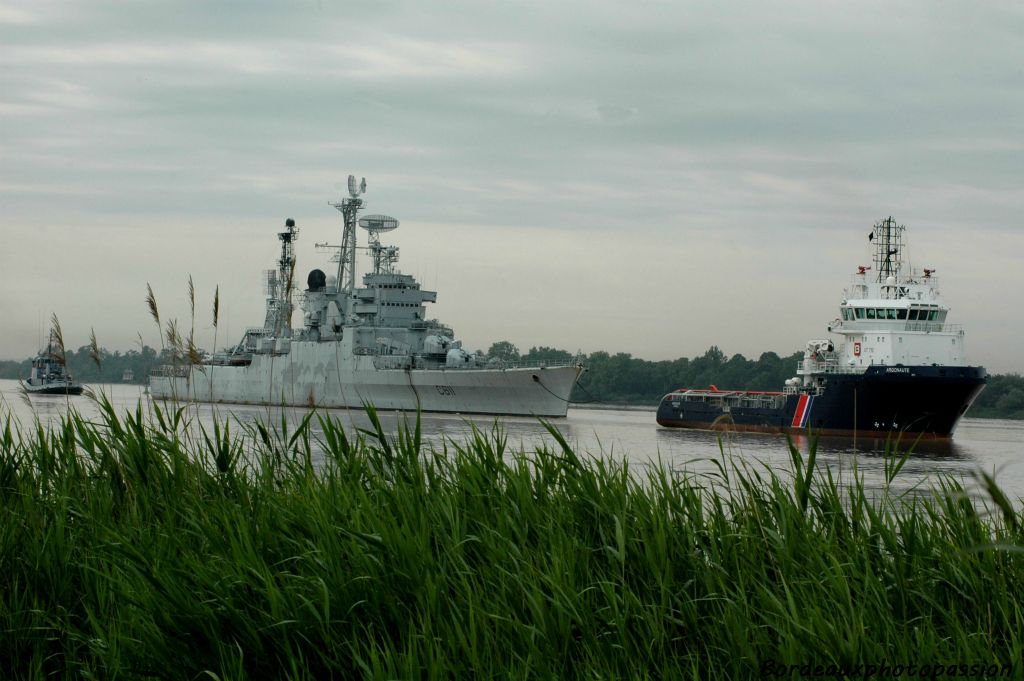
(897, 367)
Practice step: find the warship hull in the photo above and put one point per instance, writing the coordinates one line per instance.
(921, 401)
(327, 374)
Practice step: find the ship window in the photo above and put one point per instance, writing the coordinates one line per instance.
(880, 313)
(942, 315)
(901, 313)
(891, 312)
(871, 313)
(931, 315)
(860, 312)
(913, 316)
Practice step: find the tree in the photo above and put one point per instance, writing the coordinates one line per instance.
(546, 354)
(504, 350)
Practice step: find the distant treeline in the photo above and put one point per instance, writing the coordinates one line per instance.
(609, 379)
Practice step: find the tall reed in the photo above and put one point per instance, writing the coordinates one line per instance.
(135, 546)
(216, 320)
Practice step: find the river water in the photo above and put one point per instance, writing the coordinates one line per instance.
(988, 445)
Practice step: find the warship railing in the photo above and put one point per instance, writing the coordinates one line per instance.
(501, 364)
(405, 362)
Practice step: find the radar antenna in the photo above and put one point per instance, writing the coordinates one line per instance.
(384, 257)
(888, 240)
(355, 190)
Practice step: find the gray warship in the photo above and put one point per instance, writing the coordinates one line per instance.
(369, 344)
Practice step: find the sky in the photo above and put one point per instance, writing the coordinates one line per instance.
(645, 177)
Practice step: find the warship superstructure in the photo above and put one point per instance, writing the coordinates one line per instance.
(368, 344)
(899, 368)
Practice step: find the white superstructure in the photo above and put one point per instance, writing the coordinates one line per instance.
(892, 314)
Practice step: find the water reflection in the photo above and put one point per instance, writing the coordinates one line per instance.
(625, 434)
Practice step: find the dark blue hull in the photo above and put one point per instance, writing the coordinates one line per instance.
(925, 401)
(55, 390)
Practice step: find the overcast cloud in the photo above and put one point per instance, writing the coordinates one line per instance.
(646, 177)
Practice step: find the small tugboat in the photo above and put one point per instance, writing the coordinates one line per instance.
(48, 376)
(900, 369)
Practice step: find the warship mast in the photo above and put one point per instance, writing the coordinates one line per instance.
(349, 208)
(278, 321)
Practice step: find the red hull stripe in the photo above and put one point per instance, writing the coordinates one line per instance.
(803, 410)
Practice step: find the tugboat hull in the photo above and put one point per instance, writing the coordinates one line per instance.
(922, 401)
(71, 389)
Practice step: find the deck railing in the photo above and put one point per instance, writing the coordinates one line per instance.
(406, 362)
(889, 325)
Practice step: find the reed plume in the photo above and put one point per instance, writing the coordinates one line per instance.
(216, 306)
(154, 312)
(174, 338)
(216, 319)
(94, 349)
(192, 351)
(58, 338)
(288, 301)
(192, 306)
(291, 277)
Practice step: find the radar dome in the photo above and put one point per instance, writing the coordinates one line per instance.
(316, 280)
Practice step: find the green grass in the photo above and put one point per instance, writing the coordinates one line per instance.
(130, 549)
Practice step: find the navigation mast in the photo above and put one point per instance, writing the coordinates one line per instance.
(384, 257)
(888, 239)
(279, 285)
(349, 208)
